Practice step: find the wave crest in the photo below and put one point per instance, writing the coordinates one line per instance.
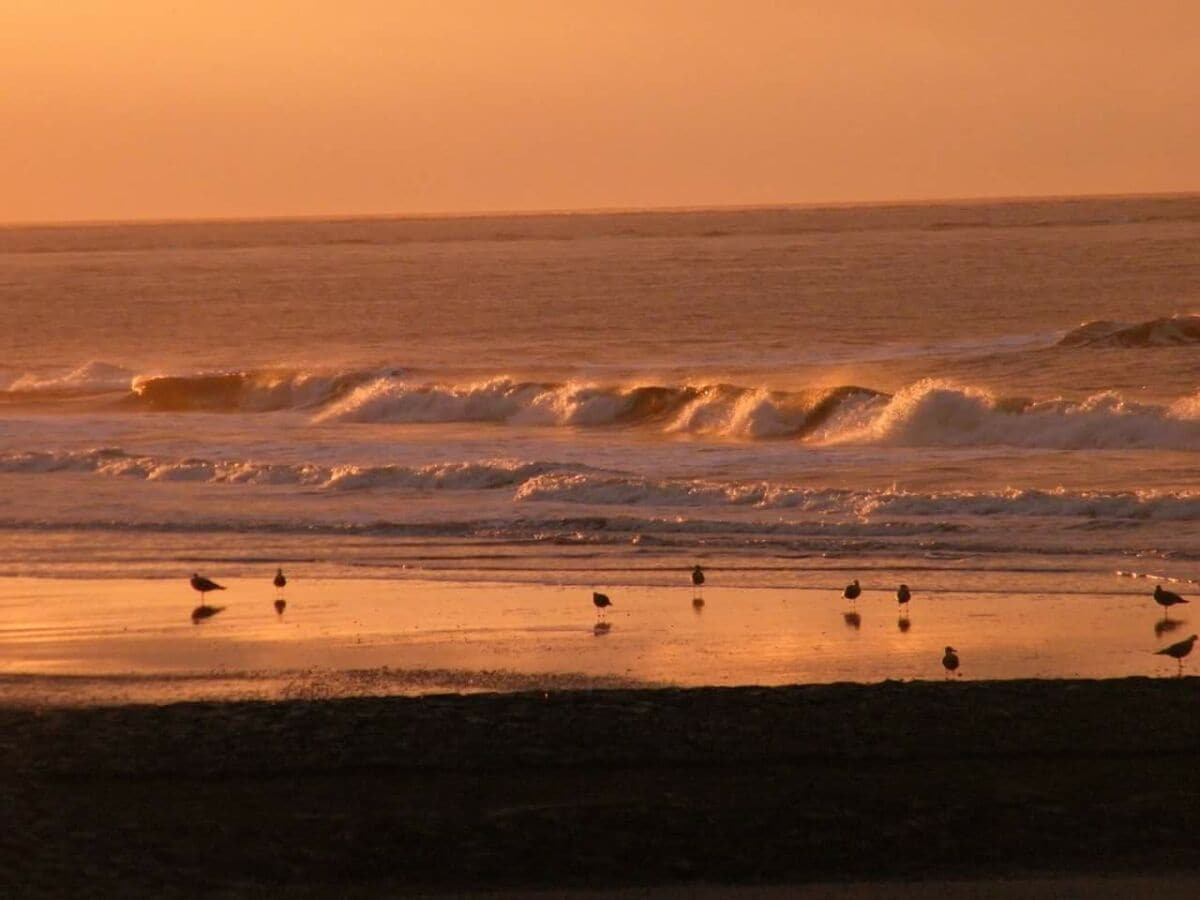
(720, 409)
(1165, 332)
(934, 413)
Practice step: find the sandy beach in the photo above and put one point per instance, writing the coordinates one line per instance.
(757, 786)
(80, 642)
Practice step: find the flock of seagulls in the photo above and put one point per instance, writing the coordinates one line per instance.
(950, 661)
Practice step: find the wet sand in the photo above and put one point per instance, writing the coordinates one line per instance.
(132, 641)
(594, 789)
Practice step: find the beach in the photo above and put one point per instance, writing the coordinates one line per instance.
(836, 783)
(79, 642)
(450, 432)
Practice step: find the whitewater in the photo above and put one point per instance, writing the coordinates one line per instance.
(1007, 389)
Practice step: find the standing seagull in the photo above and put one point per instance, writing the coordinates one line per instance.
(601, 601)
(950, 661)
(1178, 651)
(1166, 599)
(697, 586)
(852, 590)
(904, 595)
(280, 583)
(204, 585)
(697, 576)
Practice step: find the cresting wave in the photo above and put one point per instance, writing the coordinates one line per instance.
(563, 483)
(1172, 331)
(720, 409)
(927, 413)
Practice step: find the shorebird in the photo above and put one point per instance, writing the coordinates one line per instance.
(852, 590)
(280, 582)
(1166, 599)
(204, 585)
(697, 576)
(903, 594)
(1178, 651)
(600, 601)
(950, 661)
(697, 586)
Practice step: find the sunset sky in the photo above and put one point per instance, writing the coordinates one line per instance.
(201, 108)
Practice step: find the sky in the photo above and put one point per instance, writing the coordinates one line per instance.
(130, 109)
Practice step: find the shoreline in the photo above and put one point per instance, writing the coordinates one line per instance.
(607, 788)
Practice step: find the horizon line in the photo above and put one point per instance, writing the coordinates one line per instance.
(583, 211)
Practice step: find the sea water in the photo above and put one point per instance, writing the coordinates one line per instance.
(961, 396)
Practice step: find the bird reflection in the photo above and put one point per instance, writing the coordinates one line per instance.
(698, 604)
(852, 619)
(903, 623)
(1166, 626)
(204, 611)
(601, 629)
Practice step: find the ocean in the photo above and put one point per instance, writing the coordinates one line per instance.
(984, 396)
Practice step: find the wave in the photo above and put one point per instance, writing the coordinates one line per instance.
(723, 409)
(94, 377)
(936, 413)
(545, 482)
(480, 475)
(1171, 331)
(251, 391)
(604, 489)
(928, 413)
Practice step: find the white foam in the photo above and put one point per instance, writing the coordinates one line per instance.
(936, 413)
(92, 377)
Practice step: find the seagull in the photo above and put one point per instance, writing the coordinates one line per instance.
(1166, 599)
(852, 590)
(950, 660)
(697, 576)
(204, 611)
(601, 601)
(280, 582)
(204, 585)
(1178, 651)
(904, 595)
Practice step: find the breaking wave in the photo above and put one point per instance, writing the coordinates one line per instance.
(1171, 331)
(541, 482)
(94, 377)
(934, 413)
(602, 489)
(722, 409)
(927, 413)
(481, 475)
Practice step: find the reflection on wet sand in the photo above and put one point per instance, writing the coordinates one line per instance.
(535, 630)
(1166, 626)
(204, 611)
(904, 624)
(601, 629)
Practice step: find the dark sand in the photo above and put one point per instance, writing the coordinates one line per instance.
(839, 783)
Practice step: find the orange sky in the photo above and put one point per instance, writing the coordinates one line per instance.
(187, 108)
